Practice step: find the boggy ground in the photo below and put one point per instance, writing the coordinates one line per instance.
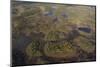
(52, 33)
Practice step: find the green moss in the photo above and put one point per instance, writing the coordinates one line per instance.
(32, 50)
(54, 36)
(60, 50)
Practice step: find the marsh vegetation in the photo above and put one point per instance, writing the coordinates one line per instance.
(52, 33)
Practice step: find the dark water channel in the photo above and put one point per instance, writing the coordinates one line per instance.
(85, 29)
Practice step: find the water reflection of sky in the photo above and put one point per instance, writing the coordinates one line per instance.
(48, 13)
(64, 15)
(85, 29)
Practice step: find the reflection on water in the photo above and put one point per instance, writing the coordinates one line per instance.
(85, 29)
(22, 42)
(50, 13)
(64, 15)
(18, 57)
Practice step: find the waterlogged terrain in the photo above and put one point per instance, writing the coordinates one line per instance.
(45, 33)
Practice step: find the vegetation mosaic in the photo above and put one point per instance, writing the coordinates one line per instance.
(48, 33)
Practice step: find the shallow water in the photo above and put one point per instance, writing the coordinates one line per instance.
(84, 29)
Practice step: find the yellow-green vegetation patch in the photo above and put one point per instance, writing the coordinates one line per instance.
(64, 50)
(54, 36)
(85, 44)
(32, 51)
